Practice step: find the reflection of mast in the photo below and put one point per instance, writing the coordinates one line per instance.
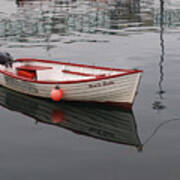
(161, 91)
(158, 104)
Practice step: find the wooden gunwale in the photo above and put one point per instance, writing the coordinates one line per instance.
(96, 78)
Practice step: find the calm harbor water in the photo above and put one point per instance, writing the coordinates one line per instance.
(94, 141)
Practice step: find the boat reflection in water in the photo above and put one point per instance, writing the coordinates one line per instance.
(101, 121)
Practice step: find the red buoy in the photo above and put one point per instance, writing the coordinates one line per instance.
(56, 94)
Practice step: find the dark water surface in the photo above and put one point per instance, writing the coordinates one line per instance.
(94, 141)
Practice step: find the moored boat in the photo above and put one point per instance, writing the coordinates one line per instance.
(76, 82)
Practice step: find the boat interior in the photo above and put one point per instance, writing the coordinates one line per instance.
(56, 72)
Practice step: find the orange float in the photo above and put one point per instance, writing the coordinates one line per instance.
(56, 94)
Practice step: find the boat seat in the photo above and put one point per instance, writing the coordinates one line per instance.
(83, 74)
(30, 71)
(26, 74)
(60, 75)
(49, 75)
(33, 68)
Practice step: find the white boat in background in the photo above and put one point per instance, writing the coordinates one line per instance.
(77, 82)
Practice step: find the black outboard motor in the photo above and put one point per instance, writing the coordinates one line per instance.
(6, 59)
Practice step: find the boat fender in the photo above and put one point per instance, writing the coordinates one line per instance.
(56, 94)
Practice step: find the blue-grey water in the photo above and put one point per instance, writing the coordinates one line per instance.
(139, 34)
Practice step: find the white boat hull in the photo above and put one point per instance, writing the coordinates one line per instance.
(118, 89)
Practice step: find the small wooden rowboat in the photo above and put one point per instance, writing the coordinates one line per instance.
(75, 82)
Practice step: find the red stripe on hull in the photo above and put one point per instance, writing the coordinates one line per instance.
(77, 65)
(96, 78)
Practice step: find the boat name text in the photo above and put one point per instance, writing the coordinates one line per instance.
(101, 84)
